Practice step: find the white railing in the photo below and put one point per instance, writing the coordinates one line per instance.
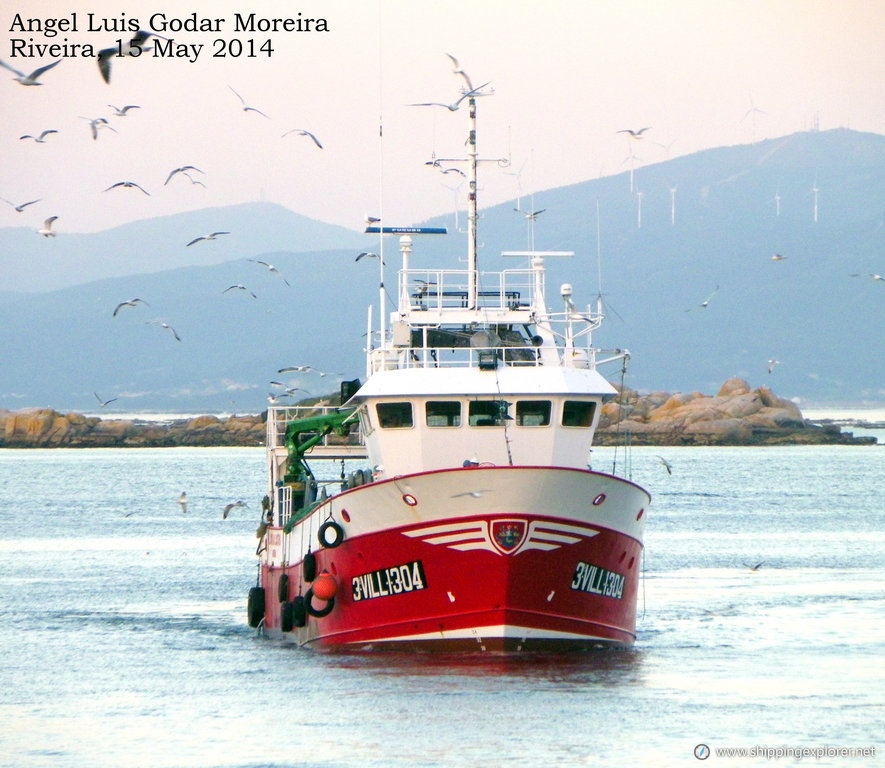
(429, 289)
(284, 504)
(278, 417)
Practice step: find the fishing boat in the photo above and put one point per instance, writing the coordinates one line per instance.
(476, 522)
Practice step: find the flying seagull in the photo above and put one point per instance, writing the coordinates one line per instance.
(28, 79)
(210, 236)
(778, 257)
(305, 369)
(121, 111)
(635, 134)
(455, 104)
(134, 47)
(531, 215)
(41, 139)
(458, 71)
(771, 364)
(247, 108)
(20, 208)
(240, 287)
(130, 303)
(96, 124)
(183, 169)
(164, 325)
(666, 464)
(299, 369)
(302, 132)
(192, 180)
(128, 184)
(232, 505)
(367, 255)
(271, 267)
(182, 502)
(755, 567)
(47, 227)
(103, 403)
(706, 302)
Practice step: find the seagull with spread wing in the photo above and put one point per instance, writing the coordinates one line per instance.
(32, 78)
(166, 326)
(47, 230)
(183, 170)
(302, 132)
(271, 268)
(103, 403)
(98, 123)
(233, 505)
(41, 139)
(240, 287)
(135, 47)
(635, 134)
(21, 207)
(130, 303)
(210, 236)
(128, 184)
(247, 108)
(455, 105)
(121, 111)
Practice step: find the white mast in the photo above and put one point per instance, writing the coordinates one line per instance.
(472, 207)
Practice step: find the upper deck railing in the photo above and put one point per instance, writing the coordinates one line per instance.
(445, 289)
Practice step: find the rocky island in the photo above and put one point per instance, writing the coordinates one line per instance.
(736, 415)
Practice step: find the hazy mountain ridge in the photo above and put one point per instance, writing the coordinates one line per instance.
(662, 254)
(155, 245)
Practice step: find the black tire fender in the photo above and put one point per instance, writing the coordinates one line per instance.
(299, 611)
(255, 606)
(338, 531)
(309, 566)
(286, 617)
(319, 613)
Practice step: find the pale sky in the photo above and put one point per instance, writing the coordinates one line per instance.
(566, 77)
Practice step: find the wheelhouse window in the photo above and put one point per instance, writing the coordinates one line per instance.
(487, 413)
(578, 413)
(443, 413)
(394, 415)
(533, 413)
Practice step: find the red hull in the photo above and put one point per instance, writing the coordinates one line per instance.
(479, 582)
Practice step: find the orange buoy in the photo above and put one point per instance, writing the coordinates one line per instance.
(325, 586)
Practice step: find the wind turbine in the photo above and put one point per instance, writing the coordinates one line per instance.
(672, 205)
(518, 175)
(752, 112)
(455, 190)
(777, 202)
(814, 191)
(638, 209)
(666, 147)
(530, 216)
(632, 158)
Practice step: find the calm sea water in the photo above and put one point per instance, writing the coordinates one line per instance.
(124, 640)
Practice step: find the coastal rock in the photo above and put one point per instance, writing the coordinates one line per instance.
(736, 415)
